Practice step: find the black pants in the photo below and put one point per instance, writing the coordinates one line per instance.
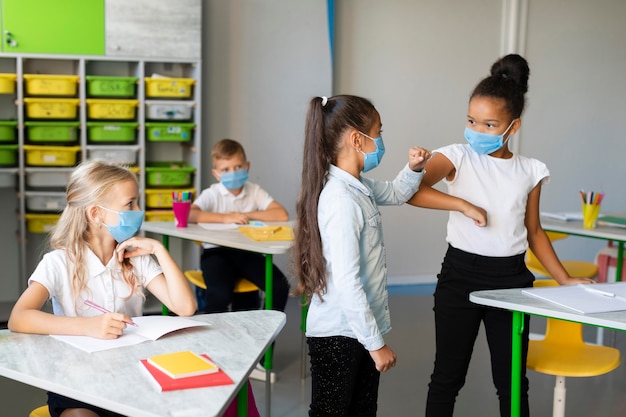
(344, 379)
(457, 321)
(222, 267)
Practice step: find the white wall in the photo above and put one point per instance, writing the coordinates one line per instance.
(263, 62)
(418, 61)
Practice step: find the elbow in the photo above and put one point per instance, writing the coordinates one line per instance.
(189, 309)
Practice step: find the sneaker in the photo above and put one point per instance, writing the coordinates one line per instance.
(259, 373)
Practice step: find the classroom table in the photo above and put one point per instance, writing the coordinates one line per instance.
(610, 234)
(575, 228)
(519, 304)
(113, 379)
(232, 238)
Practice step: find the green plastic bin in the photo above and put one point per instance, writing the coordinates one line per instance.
(102, 86)
(169, 174)
(169, 132)
(52, 131)
(8, 155)
(112, 131)
(7, 130)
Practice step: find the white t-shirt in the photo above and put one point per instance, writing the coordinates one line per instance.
(218, 199)
(501, 187)
(105, 285)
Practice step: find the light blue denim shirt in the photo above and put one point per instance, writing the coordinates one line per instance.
(355, 303)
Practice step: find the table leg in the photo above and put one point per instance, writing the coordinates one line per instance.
(516, 362)
(620, 261)
(269, 302)
(242, 400)
(166, 242)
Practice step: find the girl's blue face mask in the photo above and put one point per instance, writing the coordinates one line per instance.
(234, 180)
(372, 159)
(485, 143)
(127, 226)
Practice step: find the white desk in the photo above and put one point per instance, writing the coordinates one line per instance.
(113, 379)
(519, 304)
(232, 238)
(575, 228)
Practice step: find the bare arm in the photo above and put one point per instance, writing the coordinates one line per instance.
(540, 243)
(171, 287)
(275, 212)
(438, 168)
(27, 317)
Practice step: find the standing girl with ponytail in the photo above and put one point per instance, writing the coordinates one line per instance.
(487, 173)
(339, 253)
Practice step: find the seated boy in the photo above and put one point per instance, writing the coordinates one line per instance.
(235, 200)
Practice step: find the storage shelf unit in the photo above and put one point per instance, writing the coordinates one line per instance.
(111, 122)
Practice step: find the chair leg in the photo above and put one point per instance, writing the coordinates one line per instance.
(558, 406)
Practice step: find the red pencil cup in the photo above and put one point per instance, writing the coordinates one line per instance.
(181, 212)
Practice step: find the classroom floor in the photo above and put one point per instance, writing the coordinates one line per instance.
(403, 389)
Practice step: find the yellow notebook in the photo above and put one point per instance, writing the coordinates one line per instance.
(267, 233)
(183, 364)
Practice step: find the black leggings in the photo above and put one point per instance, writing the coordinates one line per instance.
(457, 321)
(344, 379)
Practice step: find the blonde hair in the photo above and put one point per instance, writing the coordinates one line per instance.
(90, 183)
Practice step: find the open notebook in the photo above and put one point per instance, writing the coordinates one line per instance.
(148, 328)
(585, 299)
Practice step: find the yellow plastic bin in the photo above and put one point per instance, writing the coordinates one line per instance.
(111, 109)
(169, 87)
(7, 83)
(159, 216)
(162, 198)
(51, 85)
(59, 156)
(40, 223)
(51, 108)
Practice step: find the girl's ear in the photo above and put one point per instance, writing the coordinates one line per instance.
(354, 139)
(517, 124)
(93, 214)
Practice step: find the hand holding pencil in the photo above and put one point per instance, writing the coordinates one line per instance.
(108, 325)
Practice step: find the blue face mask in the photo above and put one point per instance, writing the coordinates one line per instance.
(127, 226)
(234, 180)
(372, 159)
(484, 143)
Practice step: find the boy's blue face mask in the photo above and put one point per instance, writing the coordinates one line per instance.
(485, 143)
(372, 159)
(127, 226)
(234, 180)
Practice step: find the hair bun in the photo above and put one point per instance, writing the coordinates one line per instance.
(513, 67)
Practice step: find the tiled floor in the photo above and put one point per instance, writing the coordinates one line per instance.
(403, 389)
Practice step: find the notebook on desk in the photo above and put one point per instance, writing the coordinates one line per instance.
(612, 221)
(584, 298)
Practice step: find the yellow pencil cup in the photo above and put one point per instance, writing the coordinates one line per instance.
(590, 215)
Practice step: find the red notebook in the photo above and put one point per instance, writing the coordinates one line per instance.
(164, 383)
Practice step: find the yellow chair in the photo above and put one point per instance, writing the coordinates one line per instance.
(242, 285)
(563, 353)
(40, 412)
(578, 269)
